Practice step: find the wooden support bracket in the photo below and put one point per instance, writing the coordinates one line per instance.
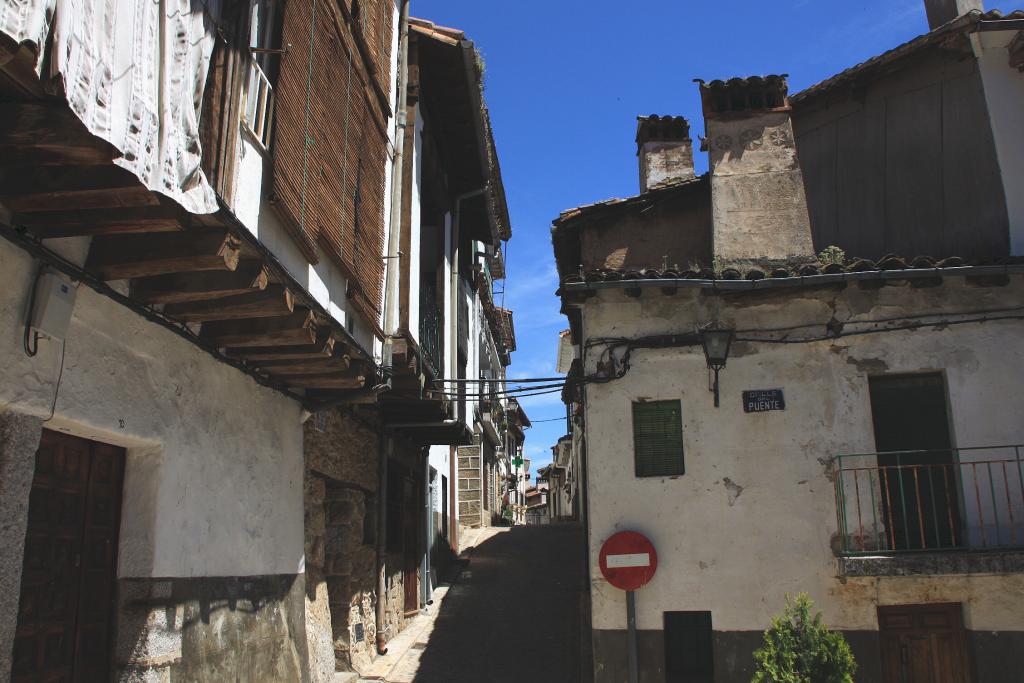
(297, 329)
(211, 284)
(131, 256)
(272, 302)
(107, 221)
(39, 134)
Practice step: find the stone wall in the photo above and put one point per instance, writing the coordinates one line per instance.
(470, 485)
(19, 439)
(244, 629)
(342, 451)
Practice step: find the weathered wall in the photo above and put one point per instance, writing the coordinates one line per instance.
(1004, 97)
(19, 439)
(757, 493)
(213, 479)
(758, 205)
(470, 505)
(905, 164)
(247, 629)
(342, 456)
(214, 472)
(665, 162)
(675, 233)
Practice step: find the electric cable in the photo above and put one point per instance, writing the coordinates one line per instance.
(32, 348)
(60, 376)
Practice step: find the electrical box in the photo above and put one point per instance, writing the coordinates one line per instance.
(55, 302)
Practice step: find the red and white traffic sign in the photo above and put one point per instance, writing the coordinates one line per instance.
(628, 560)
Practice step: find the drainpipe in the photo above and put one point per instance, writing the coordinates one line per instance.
(427, 543)
(390, 292)
(397, 178)
(453, 521)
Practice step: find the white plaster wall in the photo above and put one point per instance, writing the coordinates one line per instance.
(213, 484)
(324, 281)
(415, 224)
(752, 518)
(1004, 94)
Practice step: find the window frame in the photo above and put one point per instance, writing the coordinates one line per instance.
(675, 471)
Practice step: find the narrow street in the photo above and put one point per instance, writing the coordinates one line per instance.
(513, 614)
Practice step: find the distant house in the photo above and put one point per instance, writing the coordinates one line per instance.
(799, 372)
(537, 499)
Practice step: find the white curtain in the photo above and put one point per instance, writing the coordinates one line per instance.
(134, 73)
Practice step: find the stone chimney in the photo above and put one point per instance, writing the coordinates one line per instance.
(944, 11)
(665, 150)
(759, 209)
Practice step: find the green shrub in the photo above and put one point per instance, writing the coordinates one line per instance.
(798, 648)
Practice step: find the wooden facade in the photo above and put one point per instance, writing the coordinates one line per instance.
(904, 161)
(331, 137)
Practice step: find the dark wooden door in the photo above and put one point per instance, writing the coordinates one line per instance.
(923, 644)
(918, 473)
(69, 572)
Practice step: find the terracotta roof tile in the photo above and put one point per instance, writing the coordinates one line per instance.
(796, 270)
(656, 193)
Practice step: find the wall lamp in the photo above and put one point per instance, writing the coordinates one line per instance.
(716, 340)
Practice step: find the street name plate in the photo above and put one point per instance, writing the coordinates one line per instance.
(763, 400)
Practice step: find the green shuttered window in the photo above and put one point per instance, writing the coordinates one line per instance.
(658, 438)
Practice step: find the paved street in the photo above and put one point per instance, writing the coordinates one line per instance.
(513, 614)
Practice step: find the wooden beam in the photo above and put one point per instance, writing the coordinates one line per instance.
(360, 397)
(321, 349)
(38, 134)
(297, 329)
(178, 288)
(310, 366)
(272, 302)
(129, 256)
(108, 221)
(96, 198)
(325, 381)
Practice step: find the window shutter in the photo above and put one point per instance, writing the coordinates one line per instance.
(658, 438)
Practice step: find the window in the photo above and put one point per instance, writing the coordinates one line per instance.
(658, 438)
(689, 647)
(264, 43)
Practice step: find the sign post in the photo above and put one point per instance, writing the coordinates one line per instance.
(628, 562)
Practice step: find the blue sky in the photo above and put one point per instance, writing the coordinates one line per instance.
(565, 80)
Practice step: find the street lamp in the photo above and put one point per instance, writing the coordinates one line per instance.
(716, 340)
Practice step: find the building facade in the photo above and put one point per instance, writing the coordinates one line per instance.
(233, 275)
(857, 441)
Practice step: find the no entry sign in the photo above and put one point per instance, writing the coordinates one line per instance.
(628, 560)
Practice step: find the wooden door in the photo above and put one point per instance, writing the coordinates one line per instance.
(923, 644)
(64, 630)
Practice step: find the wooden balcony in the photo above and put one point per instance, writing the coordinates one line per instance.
(204, 276)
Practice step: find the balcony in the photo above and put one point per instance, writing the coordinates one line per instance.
(926, 502)
(431, 330)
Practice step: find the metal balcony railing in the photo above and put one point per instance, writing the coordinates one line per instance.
(488, 281)
(431, 332)
(936, 500)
